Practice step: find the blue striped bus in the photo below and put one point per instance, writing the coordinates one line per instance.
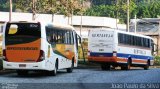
(111, 47)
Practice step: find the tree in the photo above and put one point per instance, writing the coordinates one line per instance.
(66, 7)
(148, 10)
(116, 10)
(107, 8)
(23, 5)
(4, 5)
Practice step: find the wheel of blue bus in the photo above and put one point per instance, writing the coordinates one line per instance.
(105, 67)
(56, 68)
(108, 67)
(146, 67)
(122, 68)
(126, 66)
(22, 72)
(69, 70)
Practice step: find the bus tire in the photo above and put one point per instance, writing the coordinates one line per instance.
(146, 67)
(70, 70)
(105, 67)
(22, 72)
(127, 66)
(122, 68)
(56, 68)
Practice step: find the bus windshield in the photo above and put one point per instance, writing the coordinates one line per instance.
(17, 33)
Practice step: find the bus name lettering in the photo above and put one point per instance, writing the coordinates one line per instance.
(102, 35)
(22, 48)
(136, 51)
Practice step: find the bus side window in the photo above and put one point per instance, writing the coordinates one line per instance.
(48, 36)
(54, 38)
(76, 40)
(49, 39)
(72, 38)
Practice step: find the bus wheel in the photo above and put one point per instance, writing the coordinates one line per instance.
(122, 68)
(146, 67)
(56, 68)
(22, 72)
(126, 66)
(69, 70)
(105, 67)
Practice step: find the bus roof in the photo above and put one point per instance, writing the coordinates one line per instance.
(55, 25)
(61, 26)
(119, 31)
(23, 22)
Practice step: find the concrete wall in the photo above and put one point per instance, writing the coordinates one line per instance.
(76, 20)
(88, 22)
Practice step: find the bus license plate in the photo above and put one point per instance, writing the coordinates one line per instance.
(22, 65)
(101, 49)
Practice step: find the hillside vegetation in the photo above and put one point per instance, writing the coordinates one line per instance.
(106, 8)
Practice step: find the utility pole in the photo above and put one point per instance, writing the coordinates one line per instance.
(10, 11)
(84, 60)
(68, 12)
(128, 15)
(81, 18)
(117, 14)
(33, 10)
(135, 24)
(158, 43)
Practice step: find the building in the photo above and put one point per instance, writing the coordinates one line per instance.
(149, 27)
(88, 22)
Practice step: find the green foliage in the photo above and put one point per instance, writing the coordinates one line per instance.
(117, 10)
(102, 10)
(4, 5)
(106, 8)
(143, 9)
(23, 5)
(102, 2)
(157, 60)
(41, 6)
(66, 7)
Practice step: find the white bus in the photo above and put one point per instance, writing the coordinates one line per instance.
(38, 46)
(111, 47)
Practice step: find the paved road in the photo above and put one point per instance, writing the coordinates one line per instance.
(81, 79)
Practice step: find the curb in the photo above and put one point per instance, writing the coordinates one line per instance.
(87, 65)
(154, 66)
(6, 71)
(80, 66)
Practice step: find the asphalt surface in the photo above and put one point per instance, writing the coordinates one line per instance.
(83, 78)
